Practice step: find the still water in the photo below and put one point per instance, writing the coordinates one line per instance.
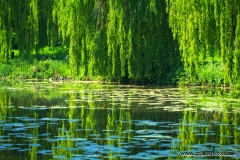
(79, 120)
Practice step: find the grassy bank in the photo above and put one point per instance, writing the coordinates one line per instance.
(209, 74)
(54, 63)
(25, 69)
(44, 67)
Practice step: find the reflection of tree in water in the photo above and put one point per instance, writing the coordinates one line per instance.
(202, 127)
(5, 101)
(109, 109)
(92, 120)
(223, 123)
(7, 111)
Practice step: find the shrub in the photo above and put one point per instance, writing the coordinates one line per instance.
(208, 74)
(211, 74)
(23, 69)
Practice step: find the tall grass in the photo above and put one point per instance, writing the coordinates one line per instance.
(50, 62)
(22, 69)
(211, 73)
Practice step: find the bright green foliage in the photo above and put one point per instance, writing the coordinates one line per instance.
(24, 25)
(22, 69)
(236, 54)
(202, 27)
(6, 30)
(77, 21)
(138, 40)
(116, 39)
(127, 40)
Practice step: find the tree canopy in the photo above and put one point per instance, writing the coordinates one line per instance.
(114, 39)
(130, 40)
(205, 27)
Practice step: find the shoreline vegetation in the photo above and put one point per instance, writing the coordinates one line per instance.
(53, 65)
(58, 71)
(162, 42)
(47, 69)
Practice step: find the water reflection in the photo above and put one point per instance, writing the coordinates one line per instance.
(104, 121)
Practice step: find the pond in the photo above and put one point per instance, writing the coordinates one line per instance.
(83, 120)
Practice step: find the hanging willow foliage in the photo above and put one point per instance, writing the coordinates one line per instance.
(236, 55)
(117, 39)
(75, 22)
(20, 28)
(202, 27)
(6, 29)
(139, 41)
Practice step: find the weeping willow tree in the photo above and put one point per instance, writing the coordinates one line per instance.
(139, 41)
(117, 39)
(18, 25)
(82, 24)
(6, 29)
(127, 40)
(203, 27)
(24, 26)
